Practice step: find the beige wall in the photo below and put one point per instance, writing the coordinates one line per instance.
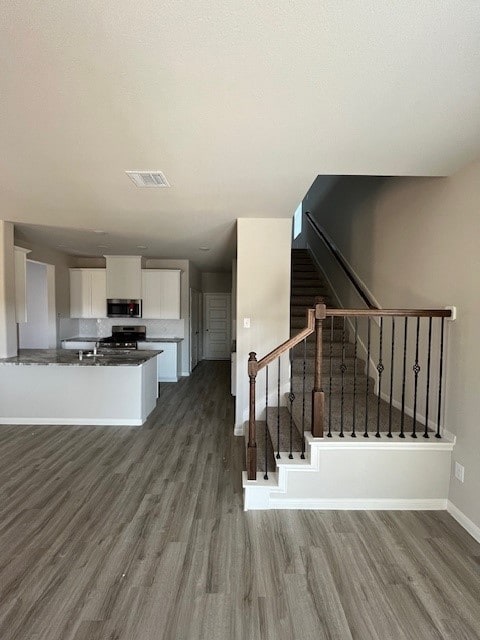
(216, 282)
(195, 277)
(62, 262)
(415, 242)
(263, 295)
(8, 327)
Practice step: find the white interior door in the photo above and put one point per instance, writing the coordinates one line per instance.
(216, 342)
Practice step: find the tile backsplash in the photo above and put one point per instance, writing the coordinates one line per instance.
(102, 327)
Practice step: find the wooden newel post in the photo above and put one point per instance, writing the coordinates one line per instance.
(252, 427)
(318, 396)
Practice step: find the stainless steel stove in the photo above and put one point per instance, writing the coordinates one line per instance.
(124, 337)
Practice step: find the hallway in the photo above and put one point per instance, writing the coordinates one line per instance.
(139, 534)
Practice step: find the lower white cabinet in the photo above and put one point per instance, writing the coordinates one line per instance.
(168, 362)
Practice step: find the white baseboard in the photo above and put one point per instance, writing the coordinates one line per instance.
(464, 521)
(89, 422)
(347, 504)
(239, 430)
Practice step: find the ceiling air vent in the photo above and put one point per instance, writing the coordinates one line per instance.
(148, 178)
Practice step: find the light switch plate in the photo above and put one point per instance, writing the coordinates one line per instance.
(246, 323)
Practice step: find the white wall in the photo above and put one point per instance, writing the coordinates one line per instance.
(415, 242)
(102, 327)
(263, 295)
(62, 262)
(35, 333)
(8, 327)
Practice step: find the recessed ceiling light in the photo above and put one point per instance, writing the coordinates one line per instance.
(204, 248)
(148, 178)
(103, 246)
(141, 246)
(99, 231)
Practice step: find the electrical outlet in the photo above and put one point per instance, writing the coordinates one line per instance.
(246, 323)
(459, 472)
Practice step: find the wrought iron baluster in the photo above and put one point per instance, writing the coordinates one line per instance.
(354, 407)
(278, 410)
(404, 376)
(380, 369)
(291, 398)
(429, 358)
(416, 371)
(440, 379)
(330, 397)
(392, 366)
(343, 368)
(265, 477)
(302, 456)
(365, 435)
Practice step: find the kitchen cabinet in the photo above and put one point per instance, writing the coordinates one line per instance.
(161, 294)
(124, 277)
(21, 284)
(168, 362)
(88, 293)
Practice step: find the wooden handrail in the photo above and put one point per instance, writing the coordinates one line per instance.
(401, 313)
(360, 289)
(289, 344)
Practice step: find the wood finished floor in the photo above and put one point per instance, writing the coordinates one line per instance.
(139, 534)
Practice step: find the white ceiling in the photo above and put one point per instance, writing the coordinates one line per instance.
(240, 103)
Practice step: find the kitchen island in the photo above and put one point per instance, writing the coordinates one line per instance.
(53, 386)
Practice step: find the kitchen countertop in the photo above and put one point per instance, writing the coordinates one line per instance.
(69, 357)
(162, 340)
(89, 339)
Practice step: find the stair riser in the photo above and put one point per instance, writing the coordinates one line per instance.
(310, 282)
(360, 388)
(308, 301)
(337, 322)
(297, 310)
(307, 289)
(297, 366)
(336, 349)
(298, 323)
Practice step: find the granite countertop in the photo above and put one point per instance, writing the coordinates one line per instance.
(161, 340)
(90, 339)
(69, 357)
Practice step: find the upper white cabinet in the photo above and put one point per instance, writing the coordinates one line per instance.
(124, 277)
(88, 293)
(21, 284)
(161, 294)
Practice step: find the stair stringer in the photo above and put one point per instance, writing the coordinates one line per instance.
(371, 474)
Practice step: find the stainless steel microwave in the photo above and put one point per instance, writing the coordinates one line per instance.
(124, 308)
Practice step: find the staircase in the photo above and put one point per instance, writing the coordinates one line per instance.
(354, 417)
